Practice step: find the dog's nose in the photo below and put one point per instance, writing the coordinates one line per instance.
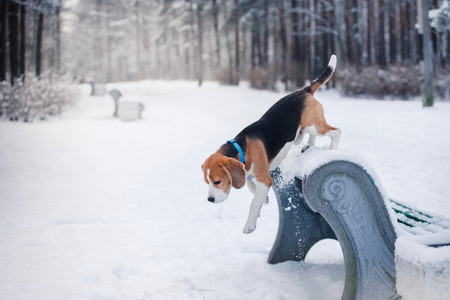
(211, 199)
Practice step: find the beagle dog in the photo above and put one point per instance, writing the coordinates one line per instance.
(263, 145)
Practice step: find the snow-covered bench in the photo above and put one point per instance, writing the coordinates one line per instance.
(422, 258)
(126, 110)
(130, 110)
(98, 89)
(336, 194)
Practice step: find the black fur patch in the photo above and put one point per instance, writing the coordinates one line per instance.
(229, 150)
(276, 127)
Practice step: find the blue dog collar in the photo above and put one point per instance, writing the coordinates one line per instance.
(238, 148)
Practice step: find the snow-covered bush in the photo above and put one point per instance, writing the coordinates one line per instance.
(398, 81)
(441, 85)
(225, 76)
(35, 97)
(440, 18)
(262, 78)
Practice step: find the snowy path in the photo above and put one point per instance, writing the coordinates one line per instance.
(95, 208)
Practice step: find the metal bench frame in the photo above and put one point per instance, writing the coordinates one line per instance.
(339, 200)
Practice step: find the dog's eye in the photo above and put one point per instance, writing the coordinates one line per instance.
(217, 182)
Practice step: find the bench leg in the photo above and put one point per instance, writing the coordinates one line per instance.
(300, 228)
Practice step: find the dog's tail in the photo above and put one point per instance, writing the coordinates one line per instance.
(326, 75)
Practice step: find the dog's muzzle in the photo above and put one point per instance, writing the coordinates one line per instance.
(216, 195)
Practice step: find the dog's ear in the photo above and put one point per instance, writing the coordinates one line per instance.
(236, 171)
(204, 173)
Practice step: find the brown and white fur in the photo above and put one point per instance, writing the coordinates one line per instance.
(265, 143)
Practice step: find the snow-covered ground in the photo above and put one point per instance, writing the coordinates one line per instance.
(95, 208)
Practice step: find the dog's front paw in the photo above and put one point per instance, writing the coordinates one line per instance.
(249, 229)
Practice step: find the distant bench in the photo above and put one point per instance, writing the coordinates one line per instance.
(336, 194)
(126, 110)
(97, 89)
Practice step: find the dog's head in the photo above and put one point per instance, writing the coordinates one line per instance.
(222, 173)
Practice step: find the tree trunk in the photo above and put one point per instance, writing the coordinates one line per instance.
(97, 36)
(109, 68)
(354, 44)
(363, 31)
(340, 34)
(13, 37)
(244, 45)
(373, 30)
(296, 57)
(139, 64)
(39, 44)
(386, 32)
(265, 55)
(258, 47)
(318, 39)
(232, 79)
(312, 37)
(283, 40)
(236, 43)
(252, 47)
(398, 37)
(427, 48)
(381, 54)
(295, 70)
(200, 44)
(22, 39)
(215, 11)
(412, 33)
(58, 41)
(192, 43)
(3, 37)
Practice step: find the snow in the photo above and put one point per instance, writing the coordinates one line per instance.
(95, 208)
(411, 248)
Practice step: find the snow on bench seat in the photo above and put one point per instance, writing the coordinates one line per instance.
(422, 264)
(129, 110)
(418, 222)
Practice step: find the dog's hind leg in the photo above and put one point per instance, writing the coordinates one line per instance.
(335, 136)
(300, 136)
(312, 137)
(334, 133)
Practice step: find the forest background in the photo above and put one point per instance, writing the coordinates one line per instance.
(277, 44)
